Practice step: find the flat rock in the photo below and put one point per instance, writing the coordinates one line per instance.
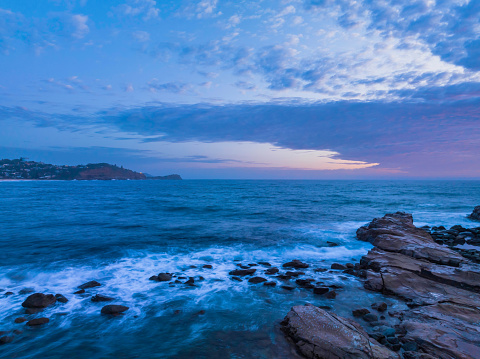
(39, 300)
(91, 284)
(440, 286)
(114, 309)
(322, 335)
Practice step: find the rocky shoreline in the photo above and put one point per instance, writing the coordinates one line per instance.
(428, 269)
(422, 266)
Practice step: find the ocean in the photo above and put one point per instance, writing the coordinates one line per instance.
(56, 235)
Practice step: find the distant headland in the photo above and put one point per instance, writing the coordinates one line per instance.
(21, 169)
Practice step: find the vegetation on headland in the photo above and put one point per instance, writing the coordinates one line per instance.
(21, 169)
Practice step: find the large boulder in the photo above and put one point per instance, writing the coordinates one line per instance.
(475, 215)
(322, 335)
(39, 300)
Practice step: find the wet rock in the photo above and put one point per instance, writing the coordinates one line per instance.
(270, 284)
(190, 281)
(33, 310)
(81, 291)
(201, 312)
(320, 270)
(237, 279)
(294, 274)
(350, 265)
(61, 298)
(101, 298)
(331, 295)
(360, 312)
(26, 291)
(20, 320)
(8, 293)
(207, 266)
(338, 266)
(287, 287)
(17, 332)
(369, 317)
(295, 264)
(320, 290)
(475, 215)
(271, 271)
(252, 264)
(6, 339)
(266, 264)
(91, 284)
(305, 283)
(319, 334)
(164, 277)
(177, 311)
(114, 309)
(242, 272)
(37, 321)
(192, 266)
(153, 277)
(182, 277)
(39, 300)
(381, 306)
(256, 280)
(332, 244)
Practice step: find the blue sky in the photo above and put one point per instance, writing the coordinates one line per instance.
(244, 89)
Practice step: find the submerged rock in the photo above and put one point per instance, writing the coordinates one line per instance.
(26, 291)
(81, 291)
(114, 309)
(360, 312)
(39, 300)
(37, 321)
(20, 320)
(6, 339)
(256, 280)
(101, 298)
(381, 306)
(91, 284)
(322, 335)
(320, 290)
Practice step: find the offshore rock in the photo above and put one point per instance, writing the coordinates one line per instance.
(321, 335)
(440, 286)
(91, 284)
(242, 272)
(295, 264)
(114, 309)
(39, 300)
(475, 215)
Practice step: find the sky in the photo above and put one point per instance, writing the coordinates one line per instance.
(236, 89)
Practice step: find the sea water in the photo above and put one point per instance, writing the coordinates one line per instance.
(56, 235)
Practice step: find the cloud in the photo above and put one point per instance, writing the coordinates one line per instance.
(80, 27)
(141, 36)
(145, 8)
(174, 87)
(450, 28)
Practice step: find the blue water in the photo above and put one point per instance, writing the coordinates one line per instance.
(58, 235)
